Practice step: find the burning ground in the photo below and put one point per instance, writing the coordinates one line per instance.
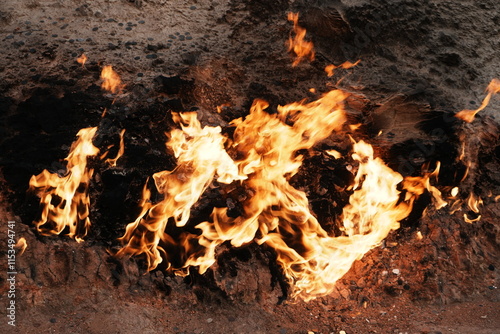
(420, 65)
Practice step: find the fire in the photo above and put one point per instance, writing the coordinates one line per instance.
(64, 199)
(259, 160)
(21, 244)
(273, 212)
(111, 80)
(82, 59)
(468, 115)
(121, 150)
(329, 69)
(201, 156)
(473, 204)
(303, 49)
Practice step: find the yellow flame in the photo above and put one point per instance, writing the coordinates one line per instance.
(304, 50)
(474, 202)
(200, 156)
(121, 150)
(273, 212)
(65, 200)
(22, 244)
(111, 80)
(468, 115)
(82, 59)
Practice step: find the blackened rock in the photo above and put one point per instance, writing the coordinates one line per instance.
(450, 59)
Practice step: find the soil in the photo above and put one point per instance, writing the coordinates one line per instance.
(421, 61)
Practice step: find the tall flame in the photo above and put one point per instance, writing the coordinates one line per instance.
(304, 50)
(468, 115)
(64, 199)
(111, 80)
(201, 156)
(273, 212)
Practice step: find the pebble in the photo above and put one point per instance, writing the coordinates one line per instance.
(396, 271)
(128, 28)
(150, 38)
(152, 56)
(181, 38)
(141, 22)
(95, 28)
(189, 38)
(54, 35)
(120, 24)
(192, 7)
(140, 75)
(209, 320)
(64, 26)
(9, 37)
(53, 320)
(137, 58)
(71, 41)
(110, 20)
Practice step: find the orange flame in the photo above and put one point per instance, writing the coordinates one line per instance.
(468, 115)
(273, 212)
(121, 150)
(111, 80)
(303, 49)
(473, 204)
(200, 154)
(65, 199)
(82, 59)
(329, 69)
(22, 244)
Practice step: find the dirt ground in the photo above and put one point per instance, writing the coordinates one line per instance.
(416, 57)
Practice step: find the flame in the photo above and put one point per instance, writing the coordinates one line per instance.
(65, 199)
(111, 80)
(200, 155)
(468, 115)
(121, 150)
(329, 69)
(273, 212)
(22, 244)
(303, 49)
(82, 59)
(473, 204)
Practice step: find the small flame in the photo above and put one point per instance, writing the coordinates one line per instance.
(474, 202)
(111, 80)
(454, 192)
(468, 115)
(113, 161)
(64, 199)
(82, 59)
(330, 69)
(22, 244)
(303, 49)
(334, 153)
